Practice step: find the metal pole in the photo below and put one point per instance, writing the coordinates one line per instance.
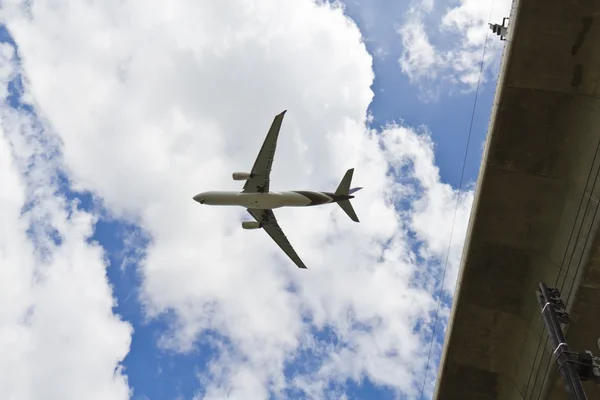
(561, 349)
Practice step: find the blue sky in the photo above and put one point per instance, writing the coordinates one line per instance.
(210, 314)
(396, 98)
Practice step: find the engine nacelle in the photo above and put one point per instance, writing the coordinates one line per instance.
(251, 225)
(241, 176)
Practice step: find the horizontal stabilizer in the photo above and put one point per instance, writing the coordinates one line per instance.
(354, 190)
(347, 207)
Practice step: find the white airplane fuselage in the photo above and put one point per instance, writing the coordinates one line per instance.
(267, 201)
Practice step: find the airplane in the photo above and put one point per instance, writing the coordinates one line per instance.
(260, 201)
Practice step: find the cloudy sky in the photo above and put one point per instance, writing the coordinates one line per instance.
(114, 113)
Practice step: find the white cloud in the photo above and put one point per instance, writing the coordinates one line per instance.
(419, 59)
(156, 102)
(439, 212)
(58, 336)
(455, 55)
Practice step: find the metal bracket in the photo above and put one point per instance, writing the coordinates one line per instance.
(558, 305)
(500, 30)
(570, 365)
(589, 367)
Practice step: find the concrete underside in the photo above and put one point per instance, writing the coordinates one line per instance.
(534, 217)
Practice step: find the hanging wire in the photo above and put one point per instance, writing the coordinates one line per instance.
(462, 174)
(587, 237)
(562, 264)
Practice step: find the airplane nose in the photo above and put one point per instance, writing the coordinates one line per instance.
(199, 198)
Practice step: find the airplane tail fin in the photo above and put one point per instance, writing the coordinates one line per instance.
(344, 190)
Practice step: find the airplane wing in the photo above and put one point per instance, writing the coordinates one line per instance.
(270, 225)
(261, 171)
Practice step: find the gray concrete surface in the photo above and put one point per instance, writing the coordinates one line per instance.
(534, 216)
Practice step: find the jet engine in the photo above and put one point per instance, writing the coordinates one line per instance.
(251, 225)
(241, 176)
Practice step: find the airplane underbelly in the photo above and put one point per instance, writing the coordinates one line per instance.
(273, 200)
(292, 199)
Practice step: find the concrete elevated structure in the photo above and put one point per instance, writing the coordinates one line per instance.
(535, 216)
